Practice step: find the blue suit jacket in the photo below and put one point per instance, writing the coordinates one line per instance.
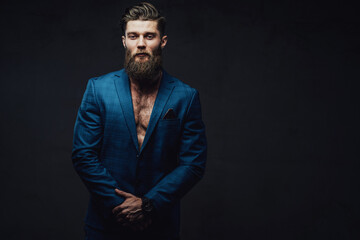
(106, 153)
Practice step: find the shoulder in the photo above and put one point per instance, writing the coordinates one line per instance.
(181, 88)
(108, 77)
(105, 84)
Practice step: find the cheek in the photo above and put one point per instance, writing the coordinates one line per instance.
(131, 49)
(154, 46)
(130, 45)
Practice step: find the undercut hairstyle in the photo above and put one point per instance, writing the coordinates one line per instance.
(143, 11)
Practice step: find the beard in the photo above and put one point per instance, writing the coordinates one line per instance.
(144, 73)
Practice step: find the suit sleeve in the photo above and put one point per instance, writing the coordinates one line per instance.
(192, 159)
(88, 134)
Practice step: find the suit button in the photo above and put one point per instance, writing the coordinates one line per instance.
(137, 155)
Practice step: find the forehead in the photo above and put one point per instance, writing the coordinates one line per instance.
(141, 26)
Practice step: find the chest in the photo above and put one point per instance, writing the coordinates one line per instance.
(143, 106)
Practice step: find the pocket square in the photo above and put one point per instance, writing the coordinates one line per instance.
(170, 114)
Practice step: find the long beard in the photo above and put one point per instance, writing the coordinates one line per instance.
(144, 73)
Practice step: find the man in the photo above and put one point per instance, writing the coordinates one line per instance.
(139, 140)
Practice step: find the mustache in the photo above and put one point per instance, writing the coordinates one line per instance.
(142, 53)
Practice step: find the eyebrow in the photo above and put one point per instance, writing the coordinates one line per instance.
(154, 33)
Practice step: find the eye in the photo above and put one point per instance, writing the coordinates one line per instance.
(150, 36)
(132, 36)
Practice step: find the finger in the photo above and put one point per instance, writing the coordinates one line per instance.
(120, 217)
(124, 206)
(124, 213)
(131, 218)
(123, 216)
(123, 194)
(135, 213)
(118, 209)
(140, 217)
(121, 207)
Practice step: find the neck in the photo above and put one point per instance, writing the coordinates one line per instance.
(146, 86)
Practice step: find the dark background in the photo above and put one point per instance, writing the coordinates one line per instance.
(279, 89)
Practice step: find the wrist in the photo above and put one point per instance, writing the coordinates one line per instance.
(147, 206)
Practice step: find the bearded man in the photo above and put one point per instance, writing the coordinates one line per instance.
(139, 139)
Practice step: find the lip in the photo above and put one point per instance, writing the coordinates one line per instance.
(142, 55)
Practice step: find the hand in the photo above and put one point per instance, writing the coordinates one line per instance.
(129, 213)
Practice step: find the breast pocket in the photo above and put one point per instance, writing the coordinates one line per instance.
(169, 125)
(169, 130)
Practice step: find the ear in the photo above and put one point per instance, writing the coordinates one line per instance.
(163, 41)
(123, 41)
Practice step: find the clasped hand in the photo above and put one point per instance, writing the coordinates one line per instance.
(129, 213)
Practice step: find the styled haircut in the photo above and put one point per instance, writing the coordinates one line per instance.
(143, 11)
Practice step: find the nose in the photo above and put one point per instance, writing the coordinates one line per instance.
(141, 43)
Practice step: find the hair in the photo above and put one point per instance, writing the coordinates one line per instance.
(143, 11)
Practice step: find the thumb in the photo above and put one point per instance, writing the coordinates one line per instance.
(123, 194)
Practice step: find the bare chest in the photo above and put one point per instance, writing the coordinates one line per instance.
(143, 106)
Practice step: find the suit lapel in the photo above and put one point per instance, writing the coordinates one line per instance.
(165, 90)
(121, 80)
(122, 86)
